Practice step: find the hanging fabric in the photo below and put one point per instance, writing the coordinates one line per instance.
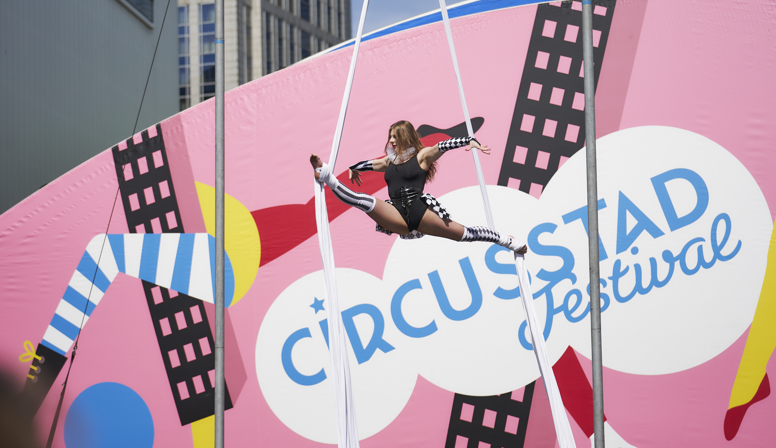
(347, 432)
(559, 416)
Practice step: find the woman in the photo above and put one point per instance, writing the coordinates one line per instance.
(409, 212)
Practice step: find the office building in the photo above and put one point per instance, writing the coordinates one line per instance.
(261, 36)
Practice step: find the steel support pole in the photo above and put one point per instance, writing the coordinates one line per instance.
(592, 219)
(220, 386)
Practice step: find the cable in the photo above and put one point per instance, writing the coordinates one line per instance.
(107, 229)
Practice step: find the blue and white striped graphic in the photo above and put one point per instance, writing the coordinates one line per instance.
(184, 262)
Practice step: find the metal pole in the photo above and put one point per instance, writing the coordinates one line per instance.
(592, 219)
(219, 336)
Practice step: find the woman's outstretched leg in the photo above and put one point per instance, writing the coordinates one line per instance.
(380, 211)
(432, 224)
(361, 201)
(480, 233)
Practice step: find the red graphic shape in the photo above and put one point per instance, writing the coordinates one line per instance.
(734, 416)
(284, 227)
(433, 139)
(576, 390)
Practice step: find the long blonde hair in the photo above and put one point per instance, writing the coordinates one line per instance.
(407, 137)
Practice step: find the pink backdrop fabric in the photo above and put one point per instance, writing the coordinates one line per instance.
(704, 68)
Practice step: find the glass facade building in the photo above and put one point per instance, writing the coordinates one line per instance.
(184, 80)
(262, 36)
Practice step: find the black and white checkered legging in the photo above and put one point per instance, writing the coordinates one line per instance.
(479, 233)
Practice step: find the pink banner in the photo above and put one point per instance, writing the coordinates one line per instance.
(439, 351)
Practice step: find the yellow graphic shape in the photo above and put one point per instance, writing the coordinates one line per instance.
(203, 432)
(241, 237)
(761, 341)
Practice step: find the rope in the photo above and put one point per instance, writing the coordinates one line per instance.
(347, 431)
(562, 425)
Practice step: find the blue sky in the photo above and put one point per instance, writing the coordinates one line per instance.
(385, 12)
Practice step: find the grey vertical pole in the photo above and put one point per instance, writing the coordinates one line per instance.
(219, 336)
(592, 219)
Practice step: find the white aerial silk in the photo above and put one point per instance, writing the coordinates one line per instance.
(562, 425)
(347, 431)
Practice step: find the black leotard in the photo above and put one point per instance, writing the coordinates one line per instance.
(405, 185)
(407, 174)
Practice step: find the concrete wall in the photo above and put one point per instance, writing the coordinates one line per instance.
(72, 74)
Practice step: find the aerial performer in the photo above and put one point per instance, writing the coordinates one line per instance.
(410, 212)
